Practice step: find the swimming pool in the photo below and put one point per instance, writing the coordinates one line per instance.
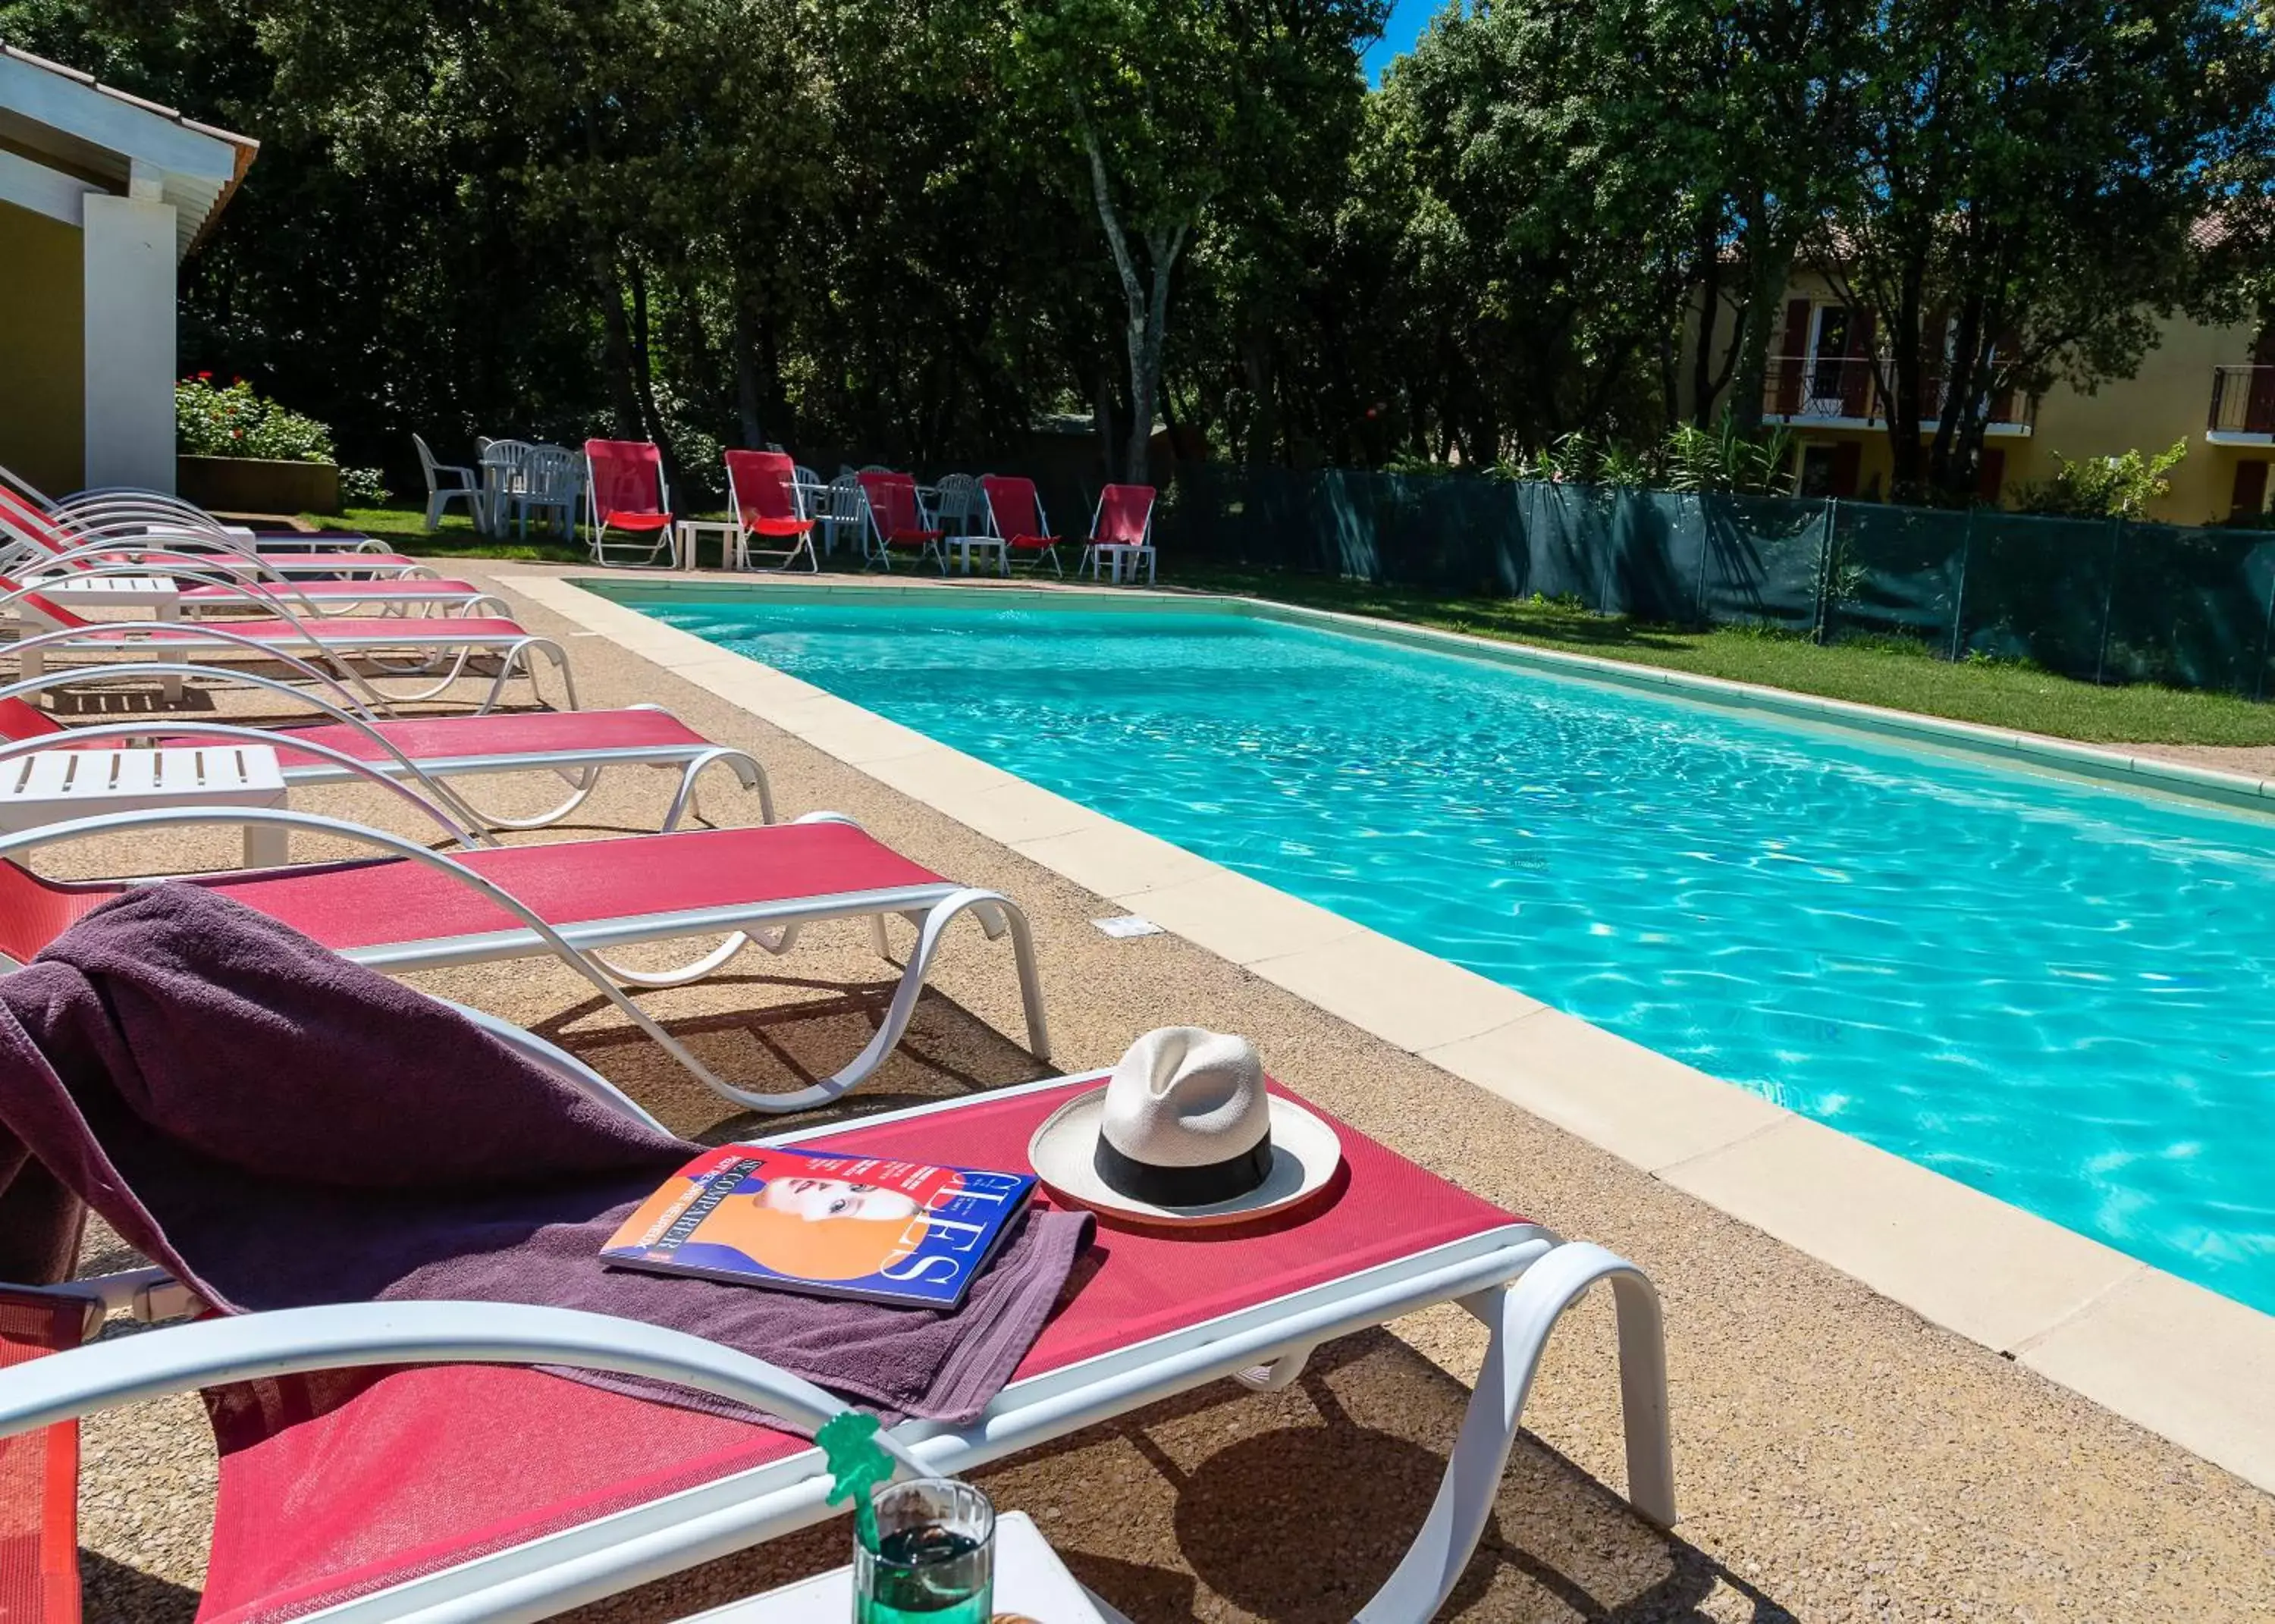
(2060, 993)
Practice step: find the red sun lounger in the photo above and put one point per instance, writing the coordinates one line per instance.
(577, 744)
(1014, 518)
(417, 909)
(385, 1488)
(151, 537)
(426, 639)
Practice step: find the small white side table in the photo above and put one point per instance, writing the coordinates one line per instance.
(963, 545)
(55, 786)
(1030, 1580)
(160, 594)
(691, 530)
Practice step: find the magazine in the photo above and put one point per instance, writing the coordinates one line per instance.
(835, 1223)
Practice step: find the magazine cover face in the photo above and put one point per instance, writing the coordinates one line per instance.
(858, 1221)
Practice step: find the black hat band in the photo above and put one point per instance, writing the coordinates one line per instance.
(1201, 1186)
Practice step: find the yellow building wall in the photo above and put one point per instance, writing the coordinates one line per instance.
(2167, 399)
(43, 349)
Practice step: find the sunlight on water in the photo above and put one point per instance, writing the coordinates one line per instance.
(2060, 995)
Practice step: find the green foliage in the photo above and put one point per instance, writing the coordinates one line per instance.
(1725, 457)
(2104, 486)
(212, 419)
(2028, 194)
(364, 487)
(877, 231)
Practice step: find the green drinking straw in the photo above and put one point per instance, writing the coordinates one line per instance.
(849, 1444)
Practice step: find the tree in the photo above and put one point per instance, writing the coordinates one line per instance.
(2034, 183)
(1164, 107)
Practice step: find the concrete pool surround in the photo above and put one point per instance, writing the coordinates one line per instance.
(2186, 1362)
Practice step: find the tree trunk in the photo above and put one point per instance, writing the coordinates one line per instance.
(644, 373)
(1147, 308)
(615, 340)
(1710, 311)
(1768, 266)
(746, 370)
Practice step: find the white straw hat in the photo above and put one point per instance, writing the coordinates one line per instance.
(1185, 1132)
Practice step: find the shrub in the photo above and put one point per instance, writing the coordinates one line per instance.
(210, 420)
(2102, 486)
(363, 487)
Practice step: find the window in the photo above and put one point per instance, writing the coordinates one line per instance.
(1815, 470)
(1834, 323)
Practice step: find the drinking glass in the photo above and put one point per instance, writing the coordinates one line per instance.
(935, 1560)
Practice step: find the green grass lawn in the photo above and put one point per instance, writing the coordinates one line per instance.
(405, 530)
(1899, 676)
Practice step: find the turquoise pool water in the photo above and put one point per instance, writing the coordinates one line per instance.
(2059, 994)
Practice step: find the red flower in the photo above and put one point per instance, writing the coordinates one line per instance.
(205, 377)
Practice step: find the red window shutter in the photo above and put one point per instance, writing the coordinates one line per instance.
(1847, 463)
(1990, 473)
(1796, 344)
(2250, 495)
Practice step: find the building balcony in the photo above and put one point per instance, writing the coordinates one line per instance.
(2242, 407)
(1810, 391)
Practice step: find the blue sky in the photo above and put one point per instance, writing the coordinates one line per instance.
(1408, 19)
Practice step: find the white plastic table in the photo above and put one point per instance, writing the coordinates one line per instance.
(691, 530)
(1030, 1581)
(161, 595)
(56, 785)
(963, 545)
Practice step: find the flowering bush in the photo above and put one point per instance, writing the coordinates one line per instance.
(210, 420)
(213, 421)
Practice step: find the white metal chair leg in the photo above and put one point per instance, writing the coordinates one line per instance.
(1520, 1315)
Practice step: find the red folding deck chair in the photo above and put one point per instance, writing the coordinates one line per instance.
(626, 493)
(898, 519)
(762, 486)
(1014, 518)
(461, 1482)
(1121, 530)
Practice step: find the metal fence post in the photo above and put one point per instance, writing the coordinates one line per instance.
(2266, 638)
(1959, 598)
(1705, 544)
(1824, 568)
(2108, 598)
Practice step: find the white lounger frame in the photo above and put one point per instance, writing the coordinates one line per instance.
(268, 583)
(125, 510)
(774, 926)
(1519, 1281)
(581, 766)
(515, 651)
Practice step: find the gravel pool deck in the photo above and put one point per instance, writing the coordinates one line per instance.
(1837, 1457)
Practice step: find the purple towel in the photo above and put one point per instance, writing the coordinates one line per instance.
(279, 1127)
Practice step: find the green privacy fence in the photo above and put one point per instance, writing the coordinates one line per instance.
(2096, 599)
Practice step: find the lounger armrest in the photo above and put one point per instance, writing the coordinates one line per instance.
(252, 1347)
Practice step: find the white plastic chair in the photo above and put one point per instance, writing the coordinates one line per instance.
(446, 483)
(549, 480)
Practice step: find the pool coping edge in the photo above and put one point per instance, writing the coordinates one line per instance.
(2163, 1352)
